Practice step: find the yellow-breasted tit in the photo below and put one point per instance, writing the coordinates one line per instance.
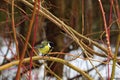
(45, 47)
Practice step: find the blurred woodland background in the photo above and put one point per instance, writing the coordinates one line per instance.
(69, 24)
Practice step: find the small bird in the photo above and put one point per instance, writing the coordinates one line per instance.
(45, 47)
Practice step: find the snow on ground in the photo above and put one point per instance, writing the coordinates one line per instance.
(86, 65)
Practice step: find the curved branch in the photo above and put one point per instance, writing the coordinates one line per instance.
(27, 60)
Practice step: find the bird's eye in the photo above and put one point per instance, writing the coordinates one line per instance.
(51, 44)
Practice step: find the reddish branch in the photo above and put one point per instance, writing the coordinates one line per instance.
(34, 37)
(107, 36)
(27, 39)
(106, 30)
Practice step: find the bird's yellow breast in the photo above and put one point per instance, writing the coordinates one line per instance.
(44, 50)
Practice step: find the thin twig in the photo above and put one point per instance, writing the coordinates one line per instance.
(14, 30)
